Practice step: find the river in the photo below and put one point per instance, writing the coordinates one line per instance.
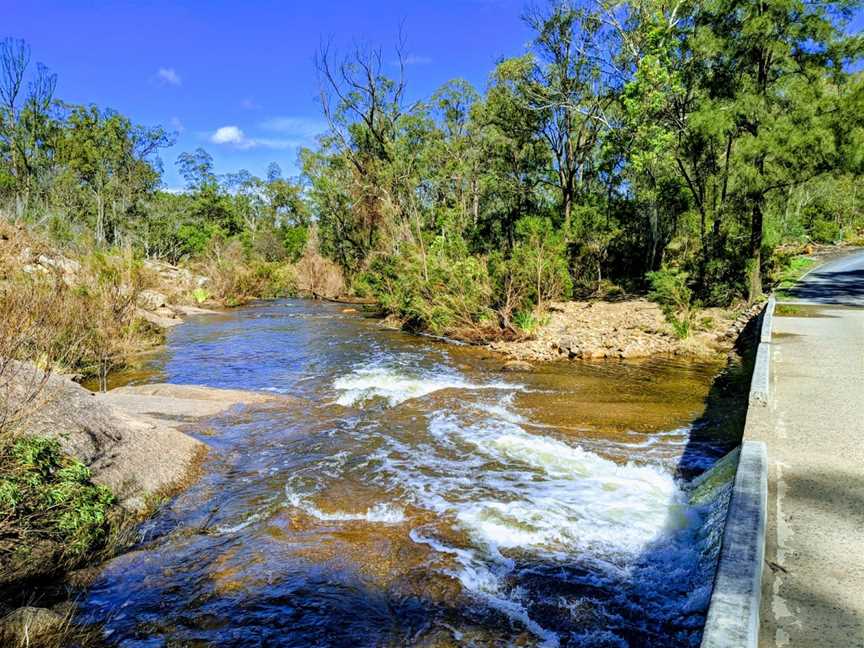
(407, 492)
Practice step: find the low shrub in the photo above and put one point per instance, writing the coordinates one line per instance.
(439, 287)
(46, 495)
(669, 289)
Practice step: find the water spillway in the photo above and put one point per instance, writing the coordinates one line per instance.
(408, 493)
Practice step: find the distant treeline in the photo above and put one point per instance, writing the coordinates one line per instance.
(635, 144)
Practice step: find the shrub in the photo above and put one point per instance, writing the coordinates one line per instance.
(45, 494)
(539, 263)
(825, 231)
(528, 322)
(669, 289)
(440, 288)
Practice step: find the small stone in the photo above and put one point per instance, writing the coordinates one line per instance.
(349, 310)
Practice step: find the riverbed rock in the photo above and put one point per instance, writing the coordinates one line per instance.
(622, 329)
(30, 626)
(151, 300)
(164, 319)
(517, 365)
(131, 437)
(392, 322)
(183, 309)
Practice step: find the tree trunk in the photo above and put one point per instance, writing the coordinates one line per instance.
(755, 289)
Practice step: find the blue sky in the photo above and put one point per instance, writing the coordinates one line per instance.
(238, 78)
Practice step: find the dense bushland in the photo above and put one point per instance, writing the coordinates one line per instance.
(672, 146)
(633, 144)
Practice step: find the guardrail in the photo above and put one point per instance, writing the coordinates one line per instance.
(733, 612)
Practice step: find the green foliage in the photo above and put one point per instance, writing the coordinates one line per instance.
(294, 238)
(726, 130)
(200, 295)
(440, 288)
(45, 494)
(528, 322)
(538, 264)
(669, 289)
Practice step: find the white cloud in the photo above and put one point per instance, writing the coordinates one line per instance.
(234, 136)
(230, 135)
(169, 76)
(297, 127)
(414, 59)
(176, 124)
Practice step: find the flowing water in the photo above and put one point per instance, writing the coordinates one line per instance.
(406, 492)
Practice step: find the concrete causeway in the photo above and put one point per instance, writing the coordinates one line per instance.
(813, 427)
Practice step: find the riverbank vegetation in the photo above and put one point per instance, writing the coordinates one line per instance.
(662, 147)
(633, 147)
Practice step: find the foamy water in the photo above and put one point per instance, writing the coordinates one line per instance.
(520, 494)
(395, 387)
(409, 493)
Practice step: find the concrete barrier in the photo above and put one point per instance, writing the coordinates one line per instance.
(760, 384)
(733, 613)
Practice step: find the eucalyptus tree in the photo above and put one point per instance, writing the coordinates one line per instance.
(112, 163)
(26, 125)
(571, 82)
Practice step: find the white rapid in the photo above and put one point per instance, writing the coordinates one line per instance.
(522, 494)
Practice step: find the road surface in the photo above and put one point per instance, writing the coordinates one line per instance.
(840, 281)
(813, 591)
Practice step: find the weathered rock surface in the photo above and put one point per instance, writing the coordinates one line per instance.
(129, 437)
(151, 300)
(517, 365)
(30, 626)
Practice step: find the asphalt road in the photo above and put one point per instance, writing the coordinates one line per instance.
(840, 281)
(813, 587)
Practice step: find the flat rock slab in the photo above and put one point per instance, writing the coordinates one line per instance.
(163, 401)
(131, 437)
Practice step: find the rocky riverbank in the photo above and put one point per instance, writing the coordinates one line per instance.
(133, 440)
(634, 328)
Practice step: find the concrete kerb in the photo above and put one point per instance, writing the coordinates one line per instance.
(760, 383)
(733, 612)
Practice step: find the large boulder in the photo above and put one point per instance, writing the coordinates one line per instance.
(133, 456)
(151, 300)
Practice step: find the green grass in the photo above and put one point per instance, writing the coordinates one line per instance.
(797, 268)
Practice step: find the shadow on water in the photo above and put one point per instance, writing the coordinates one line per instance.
(195, 580)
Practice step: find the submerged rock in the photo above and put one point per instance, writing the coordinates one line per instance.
(517, 365)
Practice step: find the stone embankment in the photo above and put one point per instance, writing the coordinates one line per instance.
(633, 328)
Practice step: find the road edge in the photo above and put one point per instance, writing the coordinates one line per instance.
(733, 611)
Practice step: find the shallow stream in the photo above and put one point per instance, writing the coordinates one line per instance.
(407, 492)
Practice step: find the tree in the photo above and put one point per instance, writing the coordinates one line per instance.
(568, 83)
(776, 68)
(25, 123)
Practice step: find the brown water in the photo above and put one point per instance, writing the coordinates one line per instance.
(406, 492)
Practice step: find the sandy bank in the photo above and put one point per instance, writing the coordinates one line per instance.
(634, 328)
